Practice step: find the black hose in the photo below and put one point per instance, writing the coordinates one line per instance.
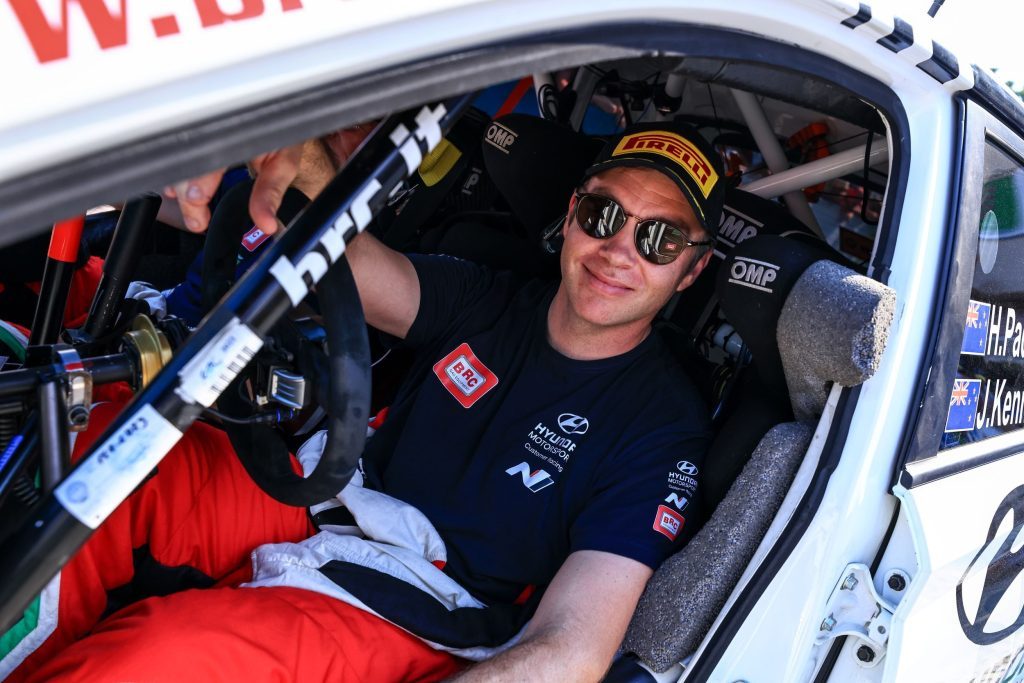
(133, 227)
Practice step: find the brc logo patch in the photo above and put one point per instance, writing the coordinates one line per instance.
(668, 522)
(535, 481)
(253, 239)
(465, 376)
(675, 148)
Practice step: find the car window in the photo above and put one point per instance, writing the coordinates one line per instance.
(987, 396)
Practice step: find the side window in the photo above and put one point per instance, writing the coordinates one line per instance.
(987, 396)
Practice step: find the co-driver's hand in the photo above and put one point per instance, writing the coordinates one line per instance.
(274, 171)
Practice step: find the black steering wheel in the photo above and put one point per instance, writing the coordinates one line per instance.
(341, 375)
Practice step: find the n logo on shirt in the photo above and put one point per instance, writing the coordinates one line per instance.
(535, 481)
(679, 501)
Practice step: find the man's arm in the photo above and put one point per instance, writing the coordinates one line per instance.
(579, 623)
(387, 282)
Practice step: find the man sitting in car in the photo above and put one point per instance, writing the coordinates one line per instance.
(512, 507)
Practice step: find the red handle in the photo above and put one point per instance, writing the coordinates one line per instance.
(67, 235)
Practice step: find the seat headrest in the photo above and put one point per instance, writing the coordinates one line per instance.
(833, 329)
(744, 217)
(807, 320)
(752, 284)
(536, 164)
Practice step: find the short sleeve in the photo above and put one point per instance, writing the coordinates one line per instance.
(454, 293)
(644, 502)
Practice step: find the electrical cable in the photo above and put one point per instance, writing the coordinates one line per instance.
(270, 417)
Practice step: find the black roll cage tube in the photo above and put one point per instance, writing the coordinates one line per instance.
(295, 262)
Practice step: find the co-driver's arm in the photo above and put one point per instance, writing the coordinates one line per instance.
(578, 626)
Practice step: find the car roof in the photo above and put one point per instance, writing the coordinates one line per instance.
(96, 80)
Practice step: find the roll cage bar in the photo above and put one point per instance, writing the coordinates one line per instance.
(216, 352)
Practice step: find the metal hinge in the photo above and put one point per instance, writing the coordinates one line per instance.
(856, 609)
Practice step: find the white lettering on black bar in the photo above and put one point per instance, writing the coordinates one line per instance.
(211, 370)
(291, 277)
(408, 148)
(297, 278)
(95, 488)
(314, 264)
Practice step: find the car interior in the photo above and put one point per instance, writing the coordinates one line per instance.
(793, 304)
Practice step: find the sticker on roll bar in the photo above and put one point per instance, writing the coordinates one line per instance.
(93, 490)
(211, 370)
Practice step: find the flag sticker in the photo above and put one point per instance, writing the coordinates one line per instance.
(976, 328)
(963, 405)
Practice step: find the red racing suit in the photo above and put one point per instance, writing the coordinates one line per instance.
(187, 533)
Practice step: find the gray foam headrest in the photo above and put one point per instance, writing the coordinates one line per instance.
(833, 328)
(807, 320)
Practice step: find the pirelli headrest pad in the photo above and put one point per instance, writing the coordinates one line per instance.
(536, 164)
(833, 328)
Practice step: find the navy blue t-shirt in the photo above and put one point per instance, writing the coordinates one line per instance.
(519, 455)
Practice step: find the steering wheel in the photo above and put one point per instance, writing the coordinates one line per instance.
(345, 395)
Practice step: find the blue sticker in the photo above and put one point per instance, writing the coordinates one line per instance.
(9, 451)
(963, 405)
(976, 328)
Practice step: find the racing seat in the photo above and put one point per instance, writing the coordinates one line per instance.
(825, 324)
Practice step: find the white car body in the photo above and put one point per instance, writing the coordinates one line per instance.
(130, 75)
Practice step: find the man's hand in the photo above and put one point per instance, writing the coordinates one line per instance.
(579, 623)
(274, 171)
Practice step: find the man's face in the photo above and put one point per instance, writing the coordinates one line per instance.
(606, 281)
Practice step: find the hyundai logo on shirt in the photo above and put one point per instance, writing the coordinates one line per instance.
(573, 424)
(686, 467)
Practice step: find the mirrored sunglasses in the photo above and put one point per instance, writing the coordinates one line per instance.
(657, 242)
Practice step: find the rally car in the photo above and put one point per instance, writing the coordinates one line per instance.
(867, 519)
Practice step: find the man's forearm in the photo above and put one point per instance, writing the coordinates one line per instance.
(541, 657)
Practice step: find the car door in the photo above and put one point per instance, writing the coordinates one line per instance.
(962, 488)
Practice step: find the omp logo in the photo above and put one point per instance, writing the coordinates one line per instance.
(735, 227)
(668, 522)
(464, 375)
(535, 481)
(676, 148)
(573, 424)
(679, 501)
(501, 137)
(749, 272)
(687, 468)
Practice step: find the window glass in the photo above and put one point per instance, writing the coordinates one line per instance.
(987, 396)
